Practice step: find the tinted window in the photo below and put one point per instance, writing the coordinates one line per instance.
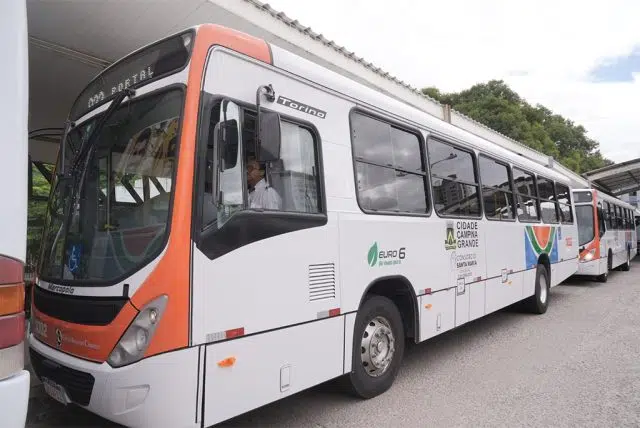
(564, 203)
(390, 171)
(526, 195)
(450, 162)
(496, 189)
(372, 140)
(547, 196)
(455, 190)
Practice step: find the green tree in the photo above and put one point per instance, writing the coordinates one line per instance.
(36, 215)
(497, 106)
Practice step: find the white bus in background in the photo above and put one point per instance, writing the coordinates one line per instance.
(606, 232)
(186, 302)
(14, 380)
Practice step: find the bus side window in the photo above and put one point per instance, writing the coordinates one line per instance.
(564, 203)
(389, 166)
(601, 221)
(547, 197)
(527, 195)
(497, 192)
(454, 180)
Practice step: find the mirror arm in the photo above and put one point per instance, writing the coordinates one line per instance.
(216, 162)
(270, 96)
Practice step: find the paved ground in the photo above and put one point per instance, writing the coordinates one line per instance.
(577, 365)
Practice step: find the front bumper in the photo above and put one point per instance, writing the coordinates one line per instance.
(14, 400)
(590, 268)
(156, 391)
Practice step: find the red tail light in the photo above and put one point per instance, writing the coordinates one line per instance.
(11, 330)
(11, 271)
(11, 302)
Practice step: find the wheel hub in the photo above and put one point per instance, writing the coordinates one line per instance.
(543, 290)
(377, 347)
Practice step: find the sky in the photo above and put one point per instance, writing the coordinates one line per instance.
(579, 59)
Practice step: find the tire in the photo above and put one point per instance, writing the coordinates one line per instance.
(627, 265)
(539, 302)
(380, 319)
(603, 278)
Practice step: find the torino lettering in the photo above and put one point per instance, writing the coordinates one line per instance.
(297, 105)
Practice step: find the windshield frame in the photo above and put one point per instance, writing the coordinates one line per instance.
(580, 207)
(89, 117)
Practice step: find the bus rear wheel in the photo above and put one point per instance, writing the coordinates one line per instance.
(539, 302)
(378, 347)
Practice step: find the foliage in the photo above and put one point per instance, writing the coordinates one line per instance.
(495, 105)
(36, 215)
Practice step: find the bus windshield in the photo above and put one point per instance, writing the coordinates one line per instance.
(121, 193)
(584, 215)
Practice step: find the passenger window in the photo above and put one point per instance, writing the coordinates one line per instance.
(497, 192)
(608, 214)
(526, 194)
(548, 204)
(453, 177)
(564, 203)
(390, 173)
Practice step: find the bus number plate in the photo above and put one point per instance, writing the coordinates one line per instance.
(56, 391)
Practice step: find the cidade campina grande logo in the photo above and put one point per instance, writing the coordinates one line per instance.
(378, 257)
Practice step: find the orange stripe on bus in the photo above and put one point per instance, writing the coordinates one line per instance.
(171, 275)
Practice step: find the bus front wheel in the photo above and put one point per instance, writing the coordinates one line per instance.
(378, 347)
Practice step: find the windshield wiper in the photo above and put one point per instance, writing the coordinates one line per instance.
(88, 142)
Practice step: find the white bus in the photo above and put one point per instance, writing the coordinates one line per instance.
(252, 224)
(606, 233)
(14, 161)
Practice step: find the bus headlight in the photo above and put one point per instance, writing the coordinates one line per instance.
(589, 256)
(135, 340)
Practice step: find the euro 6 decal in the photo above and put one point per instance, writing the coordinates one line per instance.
(385, 257)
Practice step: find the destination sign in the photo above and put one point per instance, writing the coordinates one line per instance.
(158, 60)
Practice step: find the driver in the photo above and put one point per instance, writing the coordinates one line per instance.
(261, 195)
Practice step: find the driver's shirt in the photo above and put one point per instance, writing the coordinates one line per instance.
(264, 197)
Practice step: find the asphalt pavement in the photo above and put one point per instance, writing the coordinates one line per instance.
(577, 365)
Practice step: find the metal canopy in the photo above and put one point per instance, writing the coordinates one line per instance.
(618, 179)
(70, 42)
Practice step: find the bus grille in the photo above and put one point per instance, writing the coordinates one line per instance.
(78, 309)
(322, 281)
(77, 384)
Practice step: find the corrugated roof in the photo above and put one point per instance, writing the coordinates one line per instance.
(295, 24)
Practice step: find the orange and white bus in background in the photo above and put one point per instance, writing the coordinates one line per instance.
(231, 224)
(14, 161)
(606, 232)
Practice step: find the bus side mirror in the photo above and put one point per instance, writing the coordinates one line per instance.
(268, 128)
(269, 137)
(226, 138)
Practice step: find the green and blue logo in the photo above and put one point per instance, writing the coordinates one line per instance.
(377, 257)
